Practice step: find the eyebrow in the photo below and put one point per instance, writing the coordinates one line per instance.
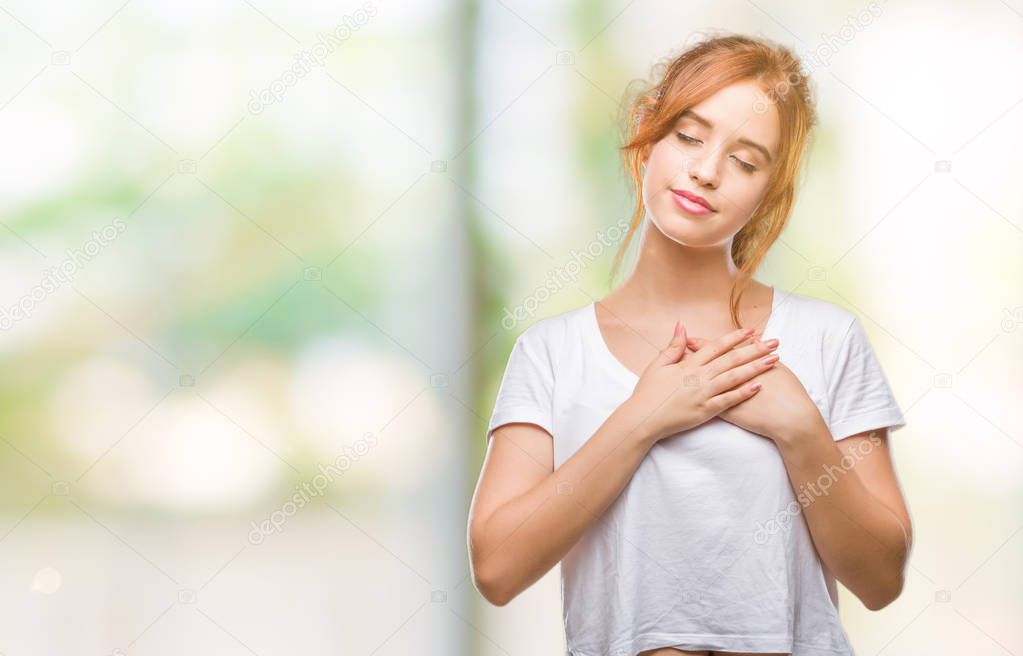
(743, 140)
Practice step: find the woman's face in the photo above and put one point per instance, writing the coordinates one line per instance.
(721, 150)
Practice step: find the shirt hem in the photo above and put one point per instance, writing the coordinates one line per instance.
(715, 642)
(521, 414)
(890, 418)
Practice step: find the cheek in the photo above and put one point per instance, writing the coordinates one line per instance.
(665, 160)
(748, 196)
(664, 167)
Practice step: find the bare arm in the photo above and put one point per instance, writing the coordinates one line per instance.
(855, 511)
(513, 544)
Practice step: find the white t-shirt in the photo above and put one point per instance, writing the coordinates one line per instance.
(706, 547)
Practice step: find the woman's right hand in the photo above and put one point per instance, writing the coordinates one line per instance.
(682, 389)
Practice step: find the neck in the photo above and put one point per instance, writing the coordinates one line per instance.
(670, 275)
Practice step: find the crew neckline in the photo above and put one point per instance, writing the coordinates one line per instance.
(627, 374)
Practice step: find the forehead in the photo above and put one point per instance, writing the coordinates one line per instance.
(743, 110)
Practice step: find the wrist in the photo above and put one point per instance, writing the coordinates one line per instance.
(638, 420)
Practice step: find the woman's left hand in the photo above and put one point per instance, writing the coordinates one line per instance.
(781, 405)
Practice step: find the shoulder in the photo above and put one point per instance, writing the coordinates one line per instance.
(827, 321)
(542, 330)
(836, 338)
(549, 335)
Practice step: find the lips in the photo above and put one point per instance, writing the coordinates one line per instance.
(699, 200)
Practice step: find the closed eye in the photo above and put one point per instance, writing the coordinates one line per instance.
(746, 166)
(749, 168)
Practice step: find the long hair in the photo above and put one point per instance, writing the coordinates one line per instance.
(696, 74)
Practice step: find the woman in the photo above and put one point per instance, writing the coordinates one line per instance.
(702, 493)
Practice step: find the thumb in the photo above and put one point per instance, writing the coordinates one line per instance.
(673, 352)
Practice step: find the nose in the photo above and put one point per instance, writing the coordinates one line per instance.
(703, 171)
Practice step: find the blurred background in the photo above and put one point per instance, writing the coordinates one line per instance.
(263, 263)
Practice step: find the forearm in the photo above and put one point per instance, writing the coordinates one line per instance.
(527, 536)
(860, 540)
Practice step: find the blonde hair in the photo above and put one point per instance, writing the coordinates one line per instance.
(697, 73)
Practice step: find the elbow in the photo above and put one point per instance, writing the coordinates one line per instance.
(881, 597)
(876, 604)
(892, 571)
(489, 578)
(492, 586)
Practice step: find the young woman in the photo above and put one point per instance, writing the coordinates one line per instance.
(701, 494)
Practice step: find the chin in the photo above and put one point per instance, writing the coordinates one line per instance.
(681, 231)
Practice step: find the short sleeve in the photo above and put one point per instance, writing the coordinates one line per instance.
(526, 392)
(859, 396)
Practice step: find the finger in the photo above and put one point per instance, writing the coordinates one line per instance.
(743, 373)
(755, 338)
(726, 400)
(721, 345)
(739, 355)
(675, 349)
(696, 343)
